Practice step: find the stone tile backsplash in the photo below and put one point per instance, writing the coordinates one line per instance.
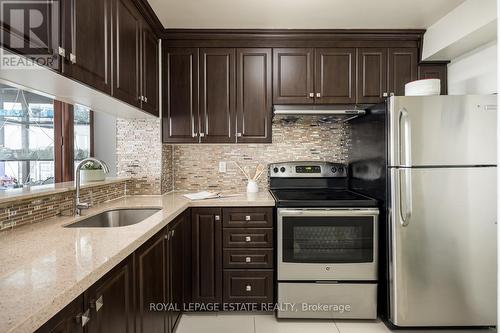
(196, 166)
(32, 210)
(141, 155)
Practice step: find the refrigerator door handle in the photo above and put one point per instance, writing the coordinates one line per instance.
(404, 138)
(405, 196)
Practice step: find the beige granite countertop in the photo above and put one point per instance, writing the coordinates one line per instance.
(44, 266)
(41, 190)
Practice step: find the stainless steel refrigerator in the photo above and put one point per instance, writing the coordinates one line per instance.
(442, 210)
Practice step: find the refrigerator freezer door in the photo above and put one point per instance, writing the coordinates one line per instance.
(443, 257)
(442, 130)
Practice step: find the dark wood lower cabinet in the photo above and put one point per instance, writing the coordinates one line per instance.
(68, 320)
(248, 286)
(206, 255)
(110, 301)
(184, 263)
(150, 284)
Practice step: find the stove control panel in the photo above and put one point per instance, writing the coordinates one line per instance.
(307, 169)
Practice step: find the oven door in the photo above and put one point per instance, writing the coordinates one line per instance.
(327, 244)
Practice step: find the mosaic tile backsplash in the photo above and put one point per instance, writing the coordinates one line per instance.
(196, 166)
(33, 210)
(141, 155)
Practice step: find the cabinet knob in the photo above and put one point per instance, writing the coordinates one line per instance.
(61, 51)
(318, 95)
(247, 218)
(385, 94)
(195, 134)
(202, 135)
(248, 287)
(311, 95)
(145, 99)
(238, 135)
(72, 58)
(248, 239)
(83, 318)
(217, 217)
(248, 259)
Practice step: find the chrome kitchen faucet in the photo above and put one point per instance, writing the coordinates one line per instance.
(81, 205)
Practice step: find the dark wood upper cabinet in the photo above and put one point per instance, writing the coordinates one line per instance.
(435, 70)
(293, 73)
(87, 42)
(110, 301)
(150, 71)
(150, 284)
(402, 69)
(372, 75)
(180, 95)
(206, 255)
(335, 77)
(254, 96)
(127, 49)
(217, 95)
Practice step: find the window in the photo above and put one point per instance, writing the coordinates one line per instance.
(26, 138)
(41, 139)
(82, 133)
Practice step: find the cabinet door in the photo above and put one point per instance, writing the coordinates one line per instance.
(126, 47)
(89, 45)
(293, 76)
(110, 301)
(254, 100)
(150, 71)
(150, 284)
(180, 95)
(217, 95)
(436, 70)
(402, 69)
(68, 320)
(177, 262)
(372, 75)
(38, 43)
(207, 255)
(335, 76)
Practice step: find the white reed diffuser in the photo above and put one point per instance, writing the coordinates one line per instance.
(252, 186)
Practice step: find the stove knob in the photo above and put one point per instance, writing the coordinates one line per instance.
(341, 169)
(334, 169)
(282, 169)
(275, 170)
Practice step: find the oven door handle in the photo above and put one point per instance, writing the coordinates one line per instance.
(327, 212)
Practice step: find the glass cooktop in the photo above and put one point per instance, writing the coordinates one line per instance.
(321, 198)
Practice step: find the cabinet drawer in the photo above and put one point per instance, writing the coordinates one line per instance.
(255, 286)
(248, 258)
(242, 237)
(245, 217)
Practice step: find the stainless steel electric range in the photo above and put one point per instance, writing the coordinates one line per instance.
(327, 243)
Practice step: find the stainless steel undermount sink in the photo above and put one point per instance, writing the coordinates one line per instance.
(114, 218)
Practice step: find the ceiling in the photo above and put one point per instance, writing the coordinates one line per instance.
(301, 14)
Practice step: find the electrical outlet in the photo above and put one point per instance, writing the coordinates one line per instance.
(222, 166)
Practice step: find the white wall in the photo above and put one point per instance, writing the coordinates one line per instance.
(105, 140)
(468, 26)
(474, 72)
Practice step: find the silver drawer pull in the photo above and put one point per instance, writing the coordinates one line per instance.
(248, 239)
(248, 218)
(217, 218)
(248, 259)
(248, 287)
